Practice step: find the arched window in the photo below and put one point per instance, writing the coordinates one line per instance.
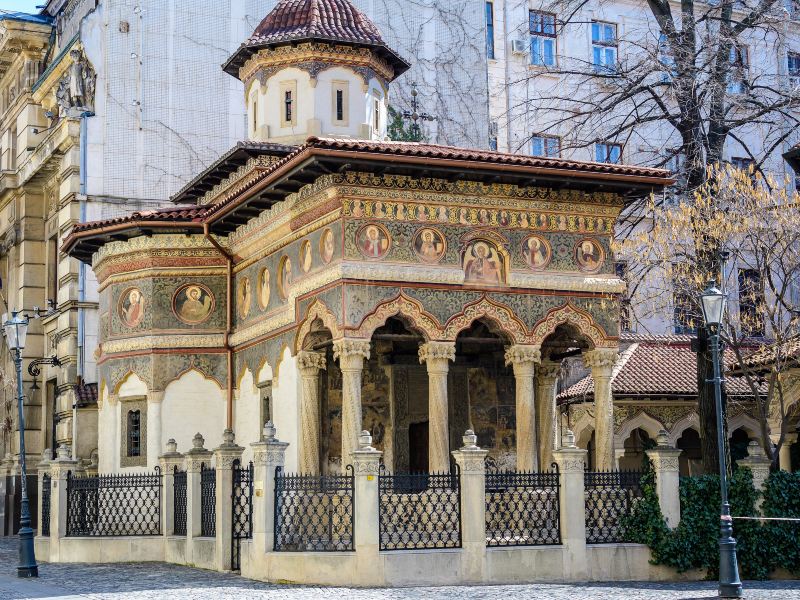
(134, 441)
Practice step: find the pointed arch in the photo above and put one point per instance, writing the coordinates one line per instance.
(498, 313)
(570, 314)
(404, 307)
(690, 421)
(131, 379)
(317, 310)
(640, 421)
(746, 422)
(197, 370)
(583, 430)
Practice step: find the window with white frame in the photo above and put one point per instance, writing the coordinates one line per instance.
(545, 145)
(604, 46)
(607, 152)
(543, 38)
(737, 78)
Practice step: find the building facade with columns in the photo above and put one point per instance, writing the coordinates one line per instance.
(351, 283)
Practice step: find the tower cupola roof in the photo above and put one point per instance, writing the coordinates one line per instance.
(297, 21)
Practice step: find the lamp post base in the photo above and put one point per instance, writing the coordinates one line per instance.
(27, 558)
(730, 586)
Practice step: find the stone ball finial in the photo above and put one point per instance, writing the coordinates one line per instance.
(62, 452)
(172, 446)
(470, 440)
(754, 450)
(663, 438)
(269, 431)
(198, 440)
(228, 437)
(568, 439)
(365, 440)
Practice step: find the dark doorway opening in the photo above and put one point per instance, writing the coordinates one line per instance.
(418, 447)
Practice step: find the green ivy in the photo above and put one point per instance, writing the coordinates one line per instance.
(761, 548)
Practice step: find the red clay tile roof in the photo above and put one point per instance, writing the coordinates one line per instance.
(177, 215)
(764, 358)
(654, 369)
(85, 394)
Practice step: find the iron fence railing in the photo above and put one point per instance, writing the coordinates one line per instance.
(419, 510)
(314, 513)
(522, 508)
(179, 502)
(208, 501)
(45, 518)
(609, 495)
(241, 510)
(114, 505)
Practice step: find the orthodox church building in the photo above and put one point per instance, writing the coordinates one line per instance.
(322, 277)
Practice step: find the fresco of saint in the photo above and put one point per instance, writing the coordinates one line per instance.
(193, 304)
(482, 264)
(131, 309)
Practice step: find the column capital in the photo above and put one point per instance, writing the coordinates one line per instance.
(789, 439)
(351, 353)
(437, 354)
(310, 363)
(155, 396)
(523, 358)
(548, 371)
(601, 358)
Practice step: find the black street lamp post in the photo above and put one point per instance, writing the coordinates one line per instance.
(713, 302)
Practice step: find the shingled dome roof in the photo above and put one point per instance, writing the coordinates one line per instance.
(293, 21)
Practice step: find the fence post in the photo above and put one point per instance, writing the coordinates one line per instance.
(168, 461)
(758, 463)
(571, 463)
(43, 468)
(666, 467)
(471, 462)
(366, 465)
(268, 454)
(195, 458)
(59, 469)
(224, 457)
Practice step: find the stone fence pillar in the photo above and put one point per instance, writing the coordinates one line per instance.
(471, 462)
(268, 454)
(224, 457)
(366, 464)
(758, 463)
(168, 462)
(59, 469)
(195, 458)
(666, 466)
(43, 468)
(571, 462)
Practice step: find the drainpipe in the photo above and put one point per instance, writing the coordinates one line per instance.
(229, 320)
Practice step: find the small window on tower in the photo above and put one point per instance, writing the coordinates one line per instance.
(340, 100)
(339, 105)
(288, 91)
(377, 116)
(255, 115)
(288, 102)
(134, 433)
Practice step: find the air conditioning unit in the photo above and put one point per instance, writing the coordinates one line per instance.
(519, 47)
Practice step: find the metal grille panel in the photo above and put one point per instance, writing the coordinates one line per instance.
(522, 508)
(114, 505)
(419, 510)
(208, 501)
(179, 505)
(609, 495)
(46, 489)
(242, 510)
(314, 513)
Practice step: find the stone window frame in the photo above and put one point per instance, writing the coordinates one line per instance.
(127, 404)
(344, 87)
(288, 86)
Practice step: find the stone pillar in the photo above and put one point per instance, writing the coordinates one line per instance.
(154, 425)
(437, 357)
(43, 468)
(471, 463)
(195, 458)
(59, 468)
(309, 364)
(602, 361)
(546, 377)
(351, 354)
(759, 465)
(785, 456)
(268, 454)
(168, 462)
(524, 360)
(366, 463)
(572, 514)
(666, 466)
(224, 457)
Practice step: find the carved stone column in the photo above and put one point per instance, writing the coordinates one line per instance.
(572, 506)
(546, 377)
(602, 361)
(666, 467)
(759, 465)
(351, 355)
(437, 357)
(785, 455)
(524, 360)
(309, 364)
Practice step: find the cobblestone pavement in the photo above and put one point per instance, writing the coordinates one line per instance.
(156, 581)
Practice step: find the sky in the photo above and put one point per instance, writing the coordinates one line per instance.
(28, 6)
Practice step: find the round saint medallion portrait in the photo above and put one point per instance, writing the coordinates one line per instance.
(131, 307)
(193, 303)
(589, 255)
(373, 241)
(306, 259)
(244, 297)
(263, 288)
(284, 277)
(429, 245)
(326, 248)
(537, 252)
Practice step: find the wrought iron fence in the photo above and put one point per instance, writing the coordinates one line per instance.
(114, 505)
(419, 510)
(314, 513)
(522, 508)
(609, 496)
(208, 501)
(179, 502)
(241, 510)
(45, 518)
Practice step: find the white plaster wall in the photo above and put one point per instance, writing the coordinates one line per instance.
(285, 409)
(107, 456)
(247, 415)
(324, 107)
(303, 105)
(193, 404)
